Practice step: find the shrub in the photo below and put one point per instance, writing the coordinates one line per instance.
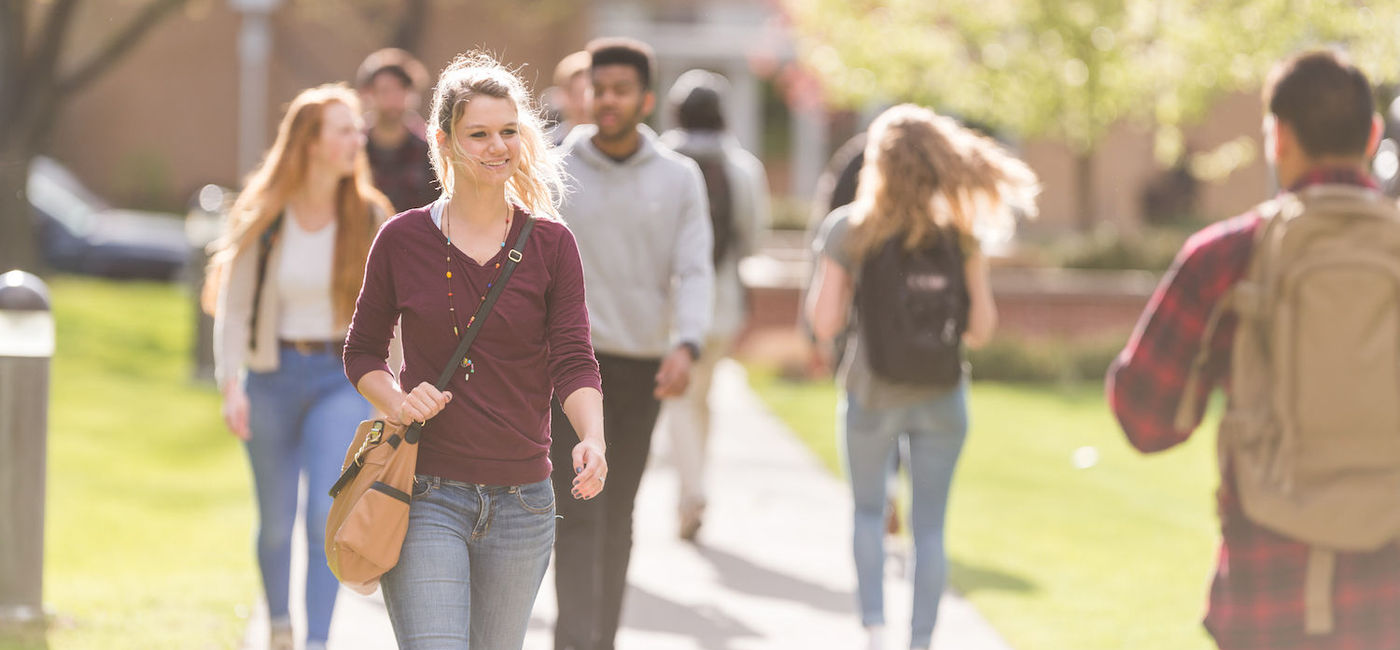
(1045, 360)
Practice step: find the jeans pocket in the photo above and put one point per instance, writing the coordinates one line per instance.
(422, 486)
(537, 497)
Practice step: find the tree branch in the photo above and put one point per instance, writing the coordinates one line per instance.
(125, 39)
(13, 19)
(408, 34)
(41, 66)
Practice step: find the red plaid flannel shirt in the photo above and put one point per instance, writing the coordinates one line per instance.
(404, 174)
(1256, 596)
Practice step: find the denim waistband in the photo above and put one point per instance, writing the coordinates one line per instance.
(438, 481)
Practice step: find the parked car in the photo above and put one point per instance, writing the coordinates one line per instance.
(80, 233)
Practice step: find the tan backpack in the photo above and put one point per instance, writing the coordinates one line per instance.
(1312, 429)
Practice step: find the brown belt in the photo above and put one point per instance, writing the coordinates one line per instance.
(313, 347)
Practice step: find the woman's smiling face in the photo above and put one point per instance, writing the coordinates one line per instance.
(488, 134)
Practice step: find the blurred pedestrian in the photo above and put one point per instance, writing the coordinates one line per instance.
(1292, 308)
(482, 523)
(737, 188)
(904, 259)
(390, 82)
(642, 221)
(282, 283)
(571, 94)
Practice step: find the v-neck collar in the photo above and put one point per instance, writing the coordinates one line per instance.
(434, 217)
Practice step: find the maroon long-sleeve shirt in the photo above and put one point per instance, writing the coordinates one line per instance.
(534, 344)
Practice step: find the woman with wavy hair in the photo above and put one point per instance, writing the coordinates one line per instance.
(281, 284)
(481, 523)
(928, 184)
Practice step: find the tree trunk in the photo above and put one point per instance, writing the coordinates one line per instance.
(18, 241)
(1084, 190)
(408, 34)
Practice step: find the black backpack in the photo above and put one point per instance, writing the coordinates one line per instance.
(912, 307)
(721, 201)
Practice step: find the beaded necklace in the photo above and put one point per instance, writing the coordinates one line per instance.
(452, 308)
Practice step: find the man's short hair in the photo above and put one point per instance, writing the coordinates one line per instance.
(392, 61)
(570, 66)
(624, 51)
(1325, 100)
(697, 98)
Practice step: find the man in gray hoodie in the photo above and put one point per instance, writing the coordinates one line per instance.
(641, 218)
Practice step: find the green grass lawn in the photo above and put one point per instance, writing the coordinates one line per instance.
(149, 516)
(1117, 555)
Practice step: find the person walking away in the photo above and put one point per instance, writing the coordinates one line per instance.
(281, 284)
(737, 192)
(1292, 308)
(904, 261)
(390, 82)
(642, 221)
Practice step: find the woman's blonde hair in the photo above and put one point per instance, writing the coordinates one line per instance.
(538, 181)
(925, 174)
(283, 171)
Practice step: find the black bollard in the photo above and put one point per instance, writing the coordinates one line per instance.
(26, 346)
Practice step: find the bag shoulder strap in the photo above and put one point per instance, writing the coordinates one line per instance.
(265, 242)
(1271, 212)
(513, 257)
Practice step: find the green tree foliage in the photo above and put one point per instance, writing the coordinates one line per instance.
(1070, 69)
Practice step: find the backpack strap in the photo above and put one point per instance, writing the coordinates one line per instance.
(1317, 591)
(1189, 406)
(265, 243)
(1235, 298)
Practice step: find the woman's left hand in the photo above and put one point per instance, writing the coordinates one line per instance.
(591, 467)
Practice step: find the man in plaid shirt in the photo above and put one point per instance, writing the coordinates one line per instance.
(390, 81)
(1320, 127)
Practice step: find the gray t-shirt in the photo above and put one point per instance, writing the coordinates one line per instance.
(855, 374)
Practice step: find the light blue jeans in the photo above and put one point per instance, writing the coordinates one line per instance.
(935, 430)
(471, 564)
(302, 416)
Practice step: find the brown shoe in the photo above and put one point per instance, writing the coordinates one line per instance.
(280, 636)
(690, 523)
(892, 518)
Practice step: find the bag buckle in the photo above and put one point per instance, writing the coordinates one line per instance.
(514, 256)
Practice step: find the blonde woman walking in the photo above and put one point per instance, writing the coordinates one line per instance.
(926, 184)
(481, 525)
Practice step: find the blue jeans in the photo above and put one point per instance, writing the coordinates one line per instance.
(302, 417)
(935, 430)
(471, 564)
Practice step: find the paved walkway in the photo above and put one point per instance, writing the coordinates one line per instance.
(772, 570)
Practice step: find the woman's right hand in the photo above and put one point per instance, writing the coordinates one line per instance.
(236, 410)
(420, 404)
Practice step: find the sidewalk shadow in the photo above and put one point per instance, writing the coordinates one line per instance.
(742, 575)
(966, 578)
(706, 624)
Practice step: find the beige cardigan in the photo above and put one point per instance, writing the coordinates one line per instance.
(232, 352)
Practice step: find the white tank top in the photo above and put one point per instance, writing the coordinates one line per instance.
(304, 282)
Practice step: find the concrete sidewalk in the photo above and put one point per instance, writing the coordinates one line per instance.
(772, 569)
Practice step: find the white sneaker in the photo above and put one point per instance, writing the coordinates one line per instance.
(874, 637)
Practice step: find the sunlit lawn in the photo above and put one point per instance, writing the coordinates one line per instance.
(149, 513)
(1116, 555)
(149, 510)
